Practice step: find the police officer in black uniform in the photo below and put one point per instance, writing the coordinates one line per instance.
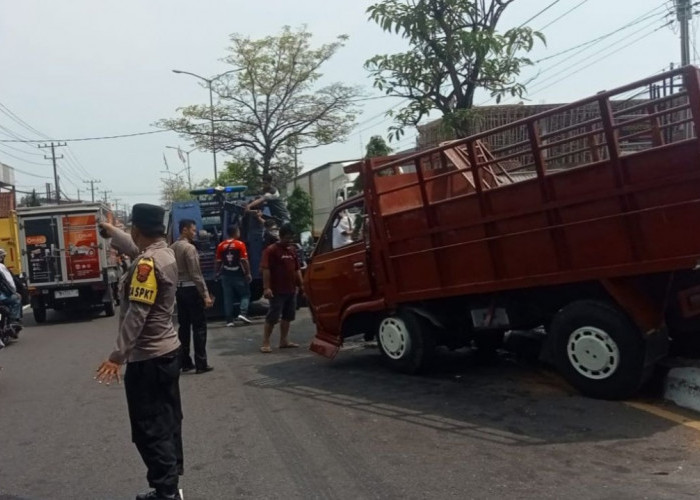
(149, 345)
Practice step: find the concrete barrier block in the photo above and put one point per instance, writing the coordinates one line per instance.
(682, 386)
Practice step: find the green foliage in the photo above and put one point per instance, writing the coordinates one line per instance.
(455, 49)
(174, 188)
(30, 200)
(273, 102)
(377, 146)
(300, 210)
(241, 172)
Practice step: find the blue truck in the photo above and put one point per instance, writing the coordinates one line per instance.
(214, 210)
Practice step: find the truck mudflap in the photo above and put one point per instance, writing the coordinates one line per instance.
(325, 345)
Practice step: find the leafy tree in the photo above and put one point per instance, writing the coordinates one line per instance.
(174, 188)
(30, 200)
(376, 146)
(455, 48)
(241, 171)
(274, 101)
(300, 210)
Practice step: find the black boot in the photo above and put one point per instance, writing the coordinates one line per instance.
(159, 495)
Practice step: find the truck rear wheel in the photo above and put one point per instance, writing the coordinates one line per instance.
(598, 349)
(109, 302)
(39, 313)
(406, 341)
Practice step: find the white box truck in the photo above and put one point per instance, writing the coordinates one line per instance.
(67, 264)
(327, 185)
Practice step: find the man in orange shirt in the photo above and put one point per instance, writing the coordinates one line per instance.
(234, 269)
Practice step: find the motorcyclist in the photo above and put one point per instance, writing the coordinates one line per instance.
(10, 297)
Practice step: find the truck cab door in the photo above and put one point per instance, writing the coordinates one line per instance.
(337, 277)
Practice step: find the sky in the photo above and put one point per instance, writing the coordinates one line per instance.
(93, 68)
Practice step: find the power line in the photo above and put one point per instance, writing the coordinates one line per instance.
(563, 15)
(600, 58)
(540, 12)
(14, 117)
(22, 159)
(100, 138)
(596, 55)
(30, 174)
(634, 22)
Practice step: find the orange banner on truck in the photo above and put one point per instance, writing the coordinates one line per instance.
(80, 239)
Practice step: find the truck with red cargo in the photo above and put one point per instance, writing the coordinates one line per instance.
(67, 264)
(582, 220)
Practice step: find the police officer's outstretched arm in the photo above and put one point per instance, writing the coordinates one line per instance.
(120, 240)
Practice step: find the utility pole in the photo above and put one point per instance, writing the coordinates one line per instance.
(92, 187)
(684, 12)
(105, 193)
(53, 158)
(116, 204)
(78, 194)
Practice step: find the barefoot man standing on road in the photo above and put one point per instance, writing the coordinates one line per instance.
(281, 277)
(149, 345)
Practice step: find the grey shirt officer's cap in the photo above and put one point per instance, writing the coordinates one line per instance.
(148, 217)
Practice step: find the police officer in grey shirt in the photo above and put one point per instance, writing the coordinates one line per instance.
(148, 344)
(192, 298)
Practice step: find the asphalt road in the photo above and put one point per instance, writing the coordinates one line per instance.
(292, 425)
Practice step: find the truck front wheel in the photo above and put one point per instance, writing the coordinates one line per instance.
(598, 349)
(406, 341)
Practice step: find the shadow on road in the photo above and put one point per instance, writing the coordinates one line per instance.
(511, 402)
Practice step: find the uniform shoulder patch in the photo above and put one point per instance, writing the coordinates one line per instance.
(144, 286)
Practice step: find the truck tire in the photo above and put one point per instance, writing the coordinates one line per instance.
(406, 342)
(109, 305)
(39, 314)
(256, 290)
(598, 349)
(109, 308)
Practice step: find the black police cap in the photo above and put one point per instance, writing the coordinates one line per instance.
(148, 217)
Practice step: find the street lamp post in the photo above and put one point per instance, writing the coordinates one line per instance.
(209, 81)
(189, 170)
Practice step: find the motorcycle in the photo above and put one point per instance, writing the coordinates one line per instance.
(7, 332)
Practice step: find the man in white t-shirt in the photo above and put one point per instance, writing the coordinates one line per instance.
(9, 296)
(342, 230)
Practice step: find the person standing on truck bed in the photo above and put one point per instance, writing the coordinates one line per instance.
(192, 298)
(10, 297)
(271, 197)
(149, 345)
(281, 277)
(234, 268)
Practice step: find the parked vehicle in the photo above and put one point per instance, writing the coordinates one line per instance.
(603, 255)
(9, 236)
(67, 264)
(327, 185)
(213, 210)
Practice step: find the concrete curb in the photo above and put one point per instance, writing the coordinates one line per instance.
(682, 386)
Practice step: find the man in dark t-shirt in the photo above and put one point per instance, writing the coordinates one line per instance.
(272, 199)
(281, 277)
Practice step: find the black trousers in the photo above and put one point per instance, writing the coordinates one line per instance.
(190, 316)
(155, 413)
